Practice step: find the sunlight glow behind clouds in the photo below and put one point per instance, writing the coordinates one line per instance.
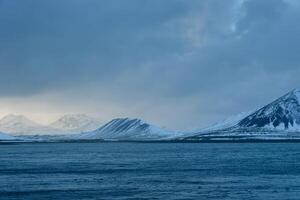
(179, 64)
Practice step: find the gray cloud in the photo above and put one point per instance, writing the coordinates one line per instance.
(50, 42)
(204, 60)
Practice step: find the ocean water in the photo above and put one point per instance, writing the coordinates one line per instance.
(88, 171)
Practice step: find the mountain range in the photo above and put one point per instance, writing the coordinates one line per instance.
(279, 119)
(67, 124)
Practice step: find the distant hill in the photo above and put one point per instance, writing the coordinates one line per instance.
(76, 123)
(129, 129)
(68, 124)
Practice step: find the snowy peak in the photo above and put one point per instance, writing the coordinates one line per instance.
(16, 120)
(282, 114)
(76, 123)
(296, 94)
(129, 129)
(19, 125)
(293, 95)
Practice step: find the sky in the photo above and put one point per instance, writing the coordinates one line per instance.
(175, 63)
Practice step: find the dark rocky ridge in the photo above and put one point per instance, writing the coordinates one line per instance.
(284, 111)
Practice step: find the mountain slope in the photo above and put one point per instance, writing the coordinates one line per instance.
(76, 123)
(20, 125)
(227, 123)
(278, 120)
(282, 114)
(5, 137)
(129, 129)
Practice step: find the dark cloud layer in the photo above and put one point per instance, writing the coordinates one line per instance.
(57, 42)
(219, 57)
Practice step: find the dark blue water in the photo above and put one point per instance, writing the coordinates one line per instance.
(87, 171)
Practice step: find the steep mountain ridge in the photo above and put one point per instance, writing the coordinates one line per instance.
(279, 119)
(282, 114)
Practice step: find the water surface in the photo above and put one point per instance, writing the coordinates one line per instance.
(88, 171)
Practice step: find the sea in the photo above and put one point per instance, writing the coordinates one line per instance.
(153, 170)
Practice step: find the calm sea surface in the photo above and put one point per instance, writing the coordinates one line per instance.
(86, 171)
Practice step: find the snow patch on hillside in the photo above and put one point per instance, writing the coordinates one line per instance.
(229, 122)
(129, 129)
(6, 137)
(76, 123)
(20, 125)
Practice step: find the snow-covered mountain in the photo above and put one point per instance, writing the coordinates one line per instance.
(129, 129)
(76, 123)
(5, 137)
(282, 114)
(277, 120)
(68, 124)
(227, 123)
(20, 125)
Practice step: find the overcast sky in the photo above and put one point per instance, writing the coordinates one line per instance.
(181, 64)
